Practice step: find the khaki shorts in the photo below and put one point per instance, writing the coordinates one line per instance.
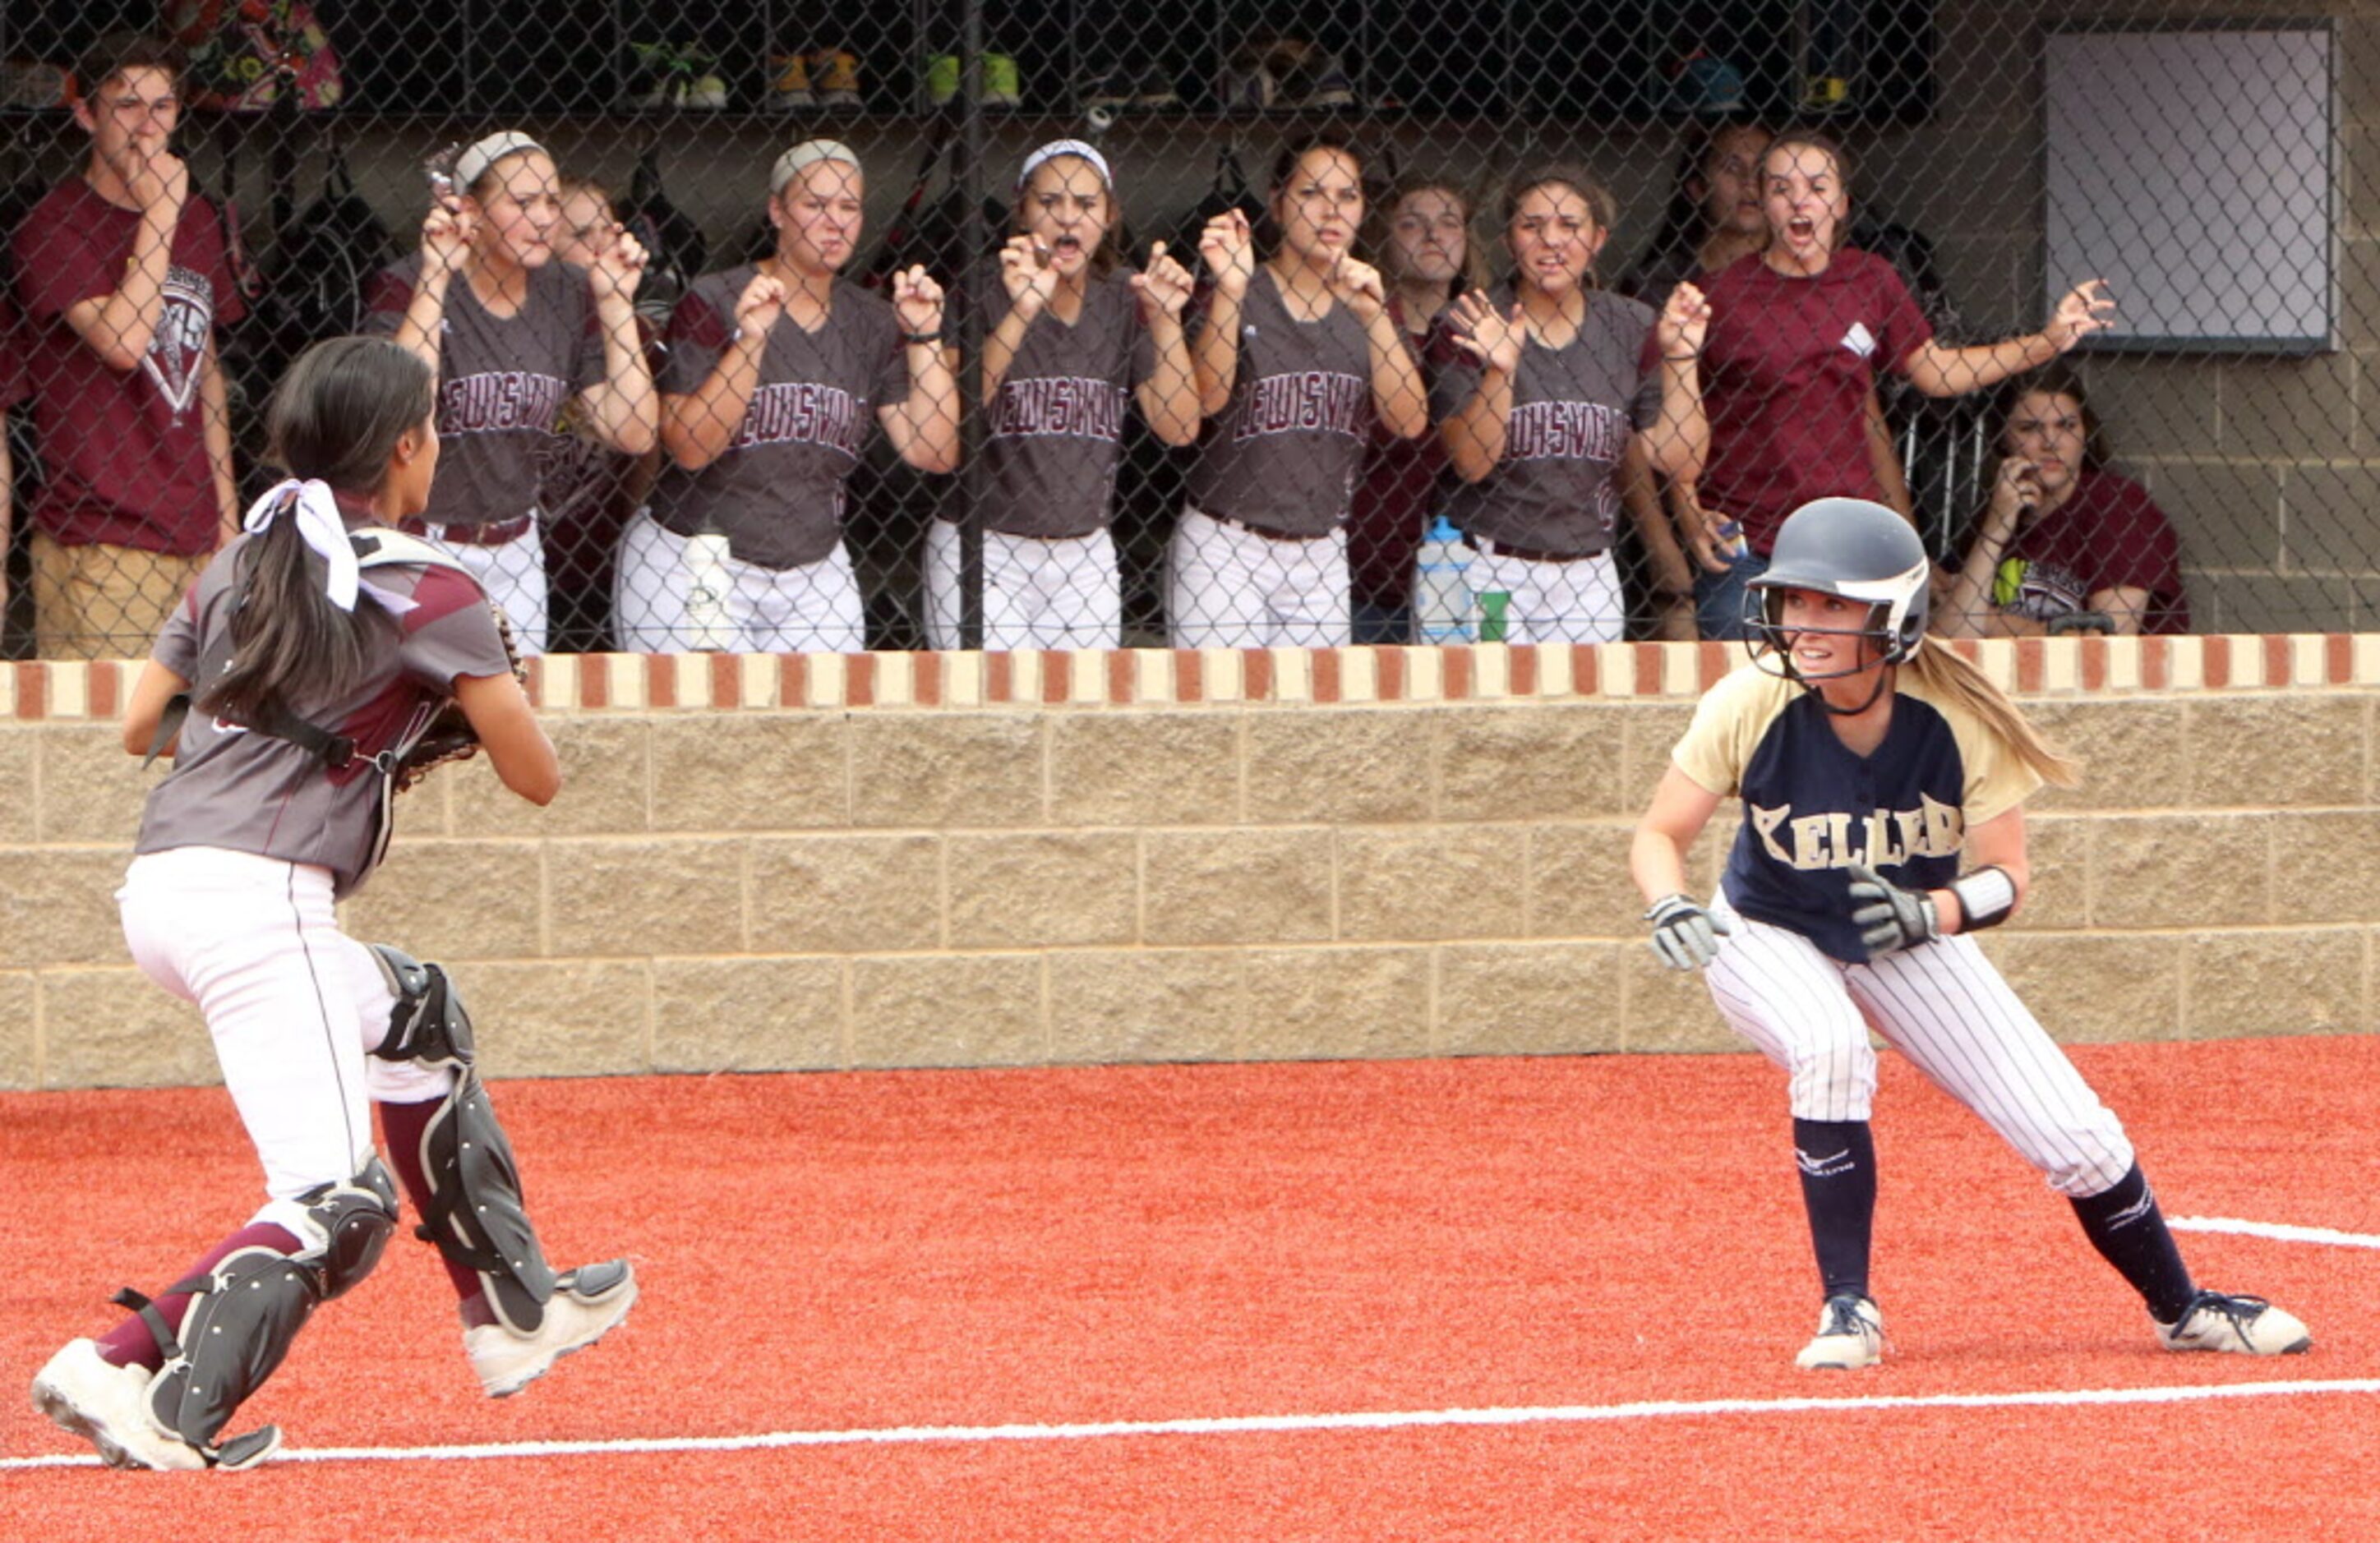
(103, 601)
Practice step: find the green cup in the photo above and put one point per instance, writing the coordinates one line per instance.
(1493, 606)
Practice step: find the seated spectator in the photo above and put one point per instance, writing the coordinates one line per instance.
(1427, 257)
(122, 275)
(2062, 544)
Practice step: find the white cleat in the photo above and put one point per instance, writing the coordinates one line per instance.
(1851, 1335)
(108, 1406)
(587, 1304)
(2241, 1325)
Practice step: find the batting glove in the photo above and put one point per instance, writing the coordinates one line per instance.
(1889, 918)
(1684, 935)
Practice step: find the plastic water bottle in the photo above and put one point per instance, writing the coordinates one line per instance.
(1441, 586)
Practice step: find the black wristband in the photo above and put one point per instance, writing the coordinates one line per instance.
(921, 337)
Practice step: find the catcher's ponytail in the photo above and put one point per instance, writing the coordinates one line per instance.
(1948, 675)
(335, 417)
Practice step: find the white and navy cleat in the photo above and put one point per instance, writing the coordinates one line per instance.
(2241, 1325)
(1851, 1335)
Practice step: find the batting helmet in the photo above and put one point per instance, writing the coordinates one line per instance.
(1852, 548)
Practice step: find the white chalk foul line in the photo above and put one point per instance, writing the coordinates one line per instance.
(1285, 1424)
(2280, 1231)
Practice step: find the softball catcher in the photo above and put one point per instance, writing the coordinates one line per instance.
(294, 713)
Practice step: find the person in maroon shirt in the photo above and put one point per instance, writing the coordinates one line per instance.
(2062, 544)
(586, 491)
(122, 276)
(1427, 257)
(1799, 333)
(12, 391)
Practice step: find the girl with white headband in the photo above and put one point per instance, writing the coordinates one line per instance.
(308, 652)
(775, 374)
(521, 336)
(1072, 341)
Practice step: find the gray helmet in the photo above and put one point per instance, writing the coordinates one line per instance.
(1852, 548)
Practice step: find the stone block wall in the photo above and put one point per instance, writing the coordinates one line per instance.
(937, 860)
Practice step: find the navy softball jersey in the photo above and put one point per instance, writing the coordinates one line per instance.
(1812, 807)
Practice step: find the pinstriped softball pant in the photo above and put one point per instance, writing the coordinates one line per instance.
(1942, 1005)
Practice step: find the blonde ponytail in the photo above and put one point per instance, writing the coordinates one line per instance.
(1948, 675)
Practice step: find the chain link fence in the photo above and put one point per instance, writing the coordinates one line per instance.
(773, 328)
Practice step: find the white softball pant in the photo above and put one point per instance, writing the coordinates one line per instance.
(1555, 603)
(1943, 1006)
(514, 576)
(293, 1004)
(1226, 588)
(1036, 594)
(675, 594)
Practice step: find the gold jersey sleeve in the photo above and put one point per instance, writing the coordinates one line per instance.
(1729, 724)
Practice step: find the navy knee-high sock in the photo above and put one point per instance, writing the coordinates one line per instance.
(1838, 1162)
(2125, 1225)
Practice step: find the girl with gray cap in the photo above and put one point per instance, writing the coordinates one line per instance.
(1072, 341)
(775, 372)
(521, 336)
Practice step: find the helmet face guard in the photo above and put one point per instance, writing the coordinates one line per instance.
(1854, 549)
(1888, 625)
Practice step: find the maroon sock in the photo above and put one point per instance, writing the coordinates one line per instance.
(132, 1343)
(403, 1125)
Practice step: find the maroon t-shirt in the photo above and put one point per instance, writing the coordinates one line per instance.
(124, 455)
(1393, 500)
(2107, 535)
(1787, 369)
(13, 387)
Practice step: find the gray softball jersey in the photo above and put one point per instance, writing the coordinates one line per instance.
(1573, 410)
(1055, 433)
(1286, 452)
(502, 382)
(776, 492)
(235, 788)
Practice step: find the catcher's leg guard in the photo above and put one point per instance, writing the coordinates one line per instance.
(475, 1215)
(245, 1312)
(429, 1024)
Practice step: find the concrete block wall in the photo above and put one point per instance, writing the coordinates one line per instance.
(930, 860)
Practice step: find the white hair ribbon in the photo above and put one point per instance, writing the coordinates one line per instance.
(321, 524)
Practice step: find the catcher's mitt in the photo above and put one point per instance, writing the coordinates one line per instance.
(449, 735)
